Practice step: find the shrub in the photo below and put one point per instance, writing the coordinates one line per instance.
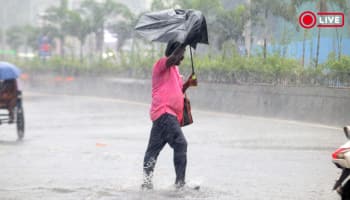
(275, 70)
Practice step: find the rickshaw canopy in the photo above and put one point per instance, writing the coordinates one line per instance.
(8, 71)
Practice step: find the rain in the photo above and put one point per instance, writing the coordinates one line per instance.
(269, 105)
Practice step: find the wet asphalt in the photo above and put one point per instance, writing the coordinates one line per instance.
(79, 147)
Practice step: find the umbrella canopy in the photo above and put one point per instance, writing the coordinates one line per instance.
(185, 26)
(8, 71)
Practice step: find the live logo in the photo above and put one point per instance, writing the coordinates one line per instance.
(308, 19)
(330, 20)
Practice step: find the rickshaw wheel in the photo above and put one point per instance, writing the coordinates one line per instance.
(20, 122)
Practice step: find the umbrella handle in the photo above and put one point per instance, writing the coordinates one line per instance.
(193, 76)
(191, 60)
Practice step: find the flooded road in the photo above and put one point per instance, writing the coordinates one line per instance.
(92, 148)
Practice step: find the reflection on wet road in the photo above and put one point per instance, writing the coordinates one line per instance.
(92, 148)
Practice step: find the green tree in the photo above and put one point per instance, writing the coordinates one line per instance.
(123, 27)
(231, 25)
(98, 14)
(261, 10)
(211, 9)
(344, 7)
(322, 6)
(30, 34)
(159, 5)
(15, 37)
(230, 22)
(79, 27)
(124, 30)
(57, 18)
(22, 36)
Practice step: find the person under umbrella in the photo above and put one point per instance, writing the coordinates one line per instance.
(8, 87)
(8, 96)
(166, 113)
(178, 28)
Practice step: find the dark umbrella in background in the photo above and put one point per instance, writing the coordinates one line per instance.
(8, 71)
(188, 27)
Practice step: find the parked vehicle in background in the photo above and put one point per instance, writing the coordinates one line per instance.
(341, 158)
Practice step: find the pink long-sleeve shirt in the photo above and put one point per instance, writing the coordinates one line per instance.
(167, 96)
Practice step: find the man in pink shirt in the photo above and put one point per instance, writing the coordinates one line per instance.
(166, 114)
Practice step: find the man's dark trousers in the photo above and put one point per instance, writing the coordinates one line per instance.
(166, 129)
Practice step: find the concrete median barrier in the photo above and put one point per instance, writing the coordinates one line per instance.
(327, 106)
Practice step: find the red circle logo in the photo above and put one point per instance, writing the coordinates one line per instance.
(307, 19)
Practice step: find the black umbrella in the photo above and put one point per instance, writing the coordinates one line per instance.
(188, 27)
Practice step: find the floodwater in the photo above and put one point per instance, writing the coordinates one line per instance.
(92, 148)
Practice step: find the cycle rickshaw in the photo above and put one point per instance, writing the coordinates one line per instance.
(11, 108)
